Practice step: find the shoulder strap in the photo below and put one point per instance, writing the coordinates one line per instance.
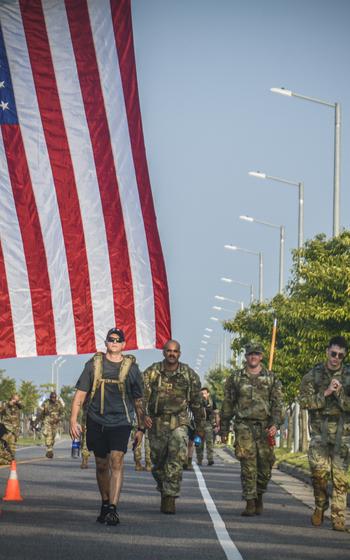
(97, 370)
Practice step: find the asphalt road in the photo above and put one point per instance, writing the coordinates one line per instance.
(56, 519)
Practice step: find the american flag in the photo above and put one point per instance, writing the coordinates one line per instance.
(79, 245)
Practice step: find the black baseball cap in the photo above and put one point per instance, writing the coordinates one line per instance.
(118, 332)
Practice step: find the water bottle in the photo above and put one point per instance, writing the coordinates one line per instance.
(75, 448)
(197, 440)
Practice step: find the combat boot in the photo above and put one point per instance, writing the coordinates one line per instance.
(210, 463)
(259, 507)
(49, 454)
(317, 517)
(250, 509)
(148, 467)
(338, 525)
(138, 466)
(168, 505)
(189, 464)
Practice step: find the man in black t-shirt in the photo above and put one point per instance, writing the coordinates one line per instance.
(111, 387)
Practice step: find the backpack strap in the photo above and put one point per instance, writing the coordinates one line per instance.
(99, 381)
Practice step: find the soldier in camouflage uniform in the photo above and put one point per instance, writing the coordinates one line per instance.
(50, 413)
(138, 453)
(10, 413)
(170, 388)
(253, 396)
(211, 421)
(325, 393)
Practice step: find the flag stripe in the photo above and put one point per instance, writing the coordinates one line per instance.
(7, 350)
(15, 266)
(116, 113)
(42, 182)
(63, 174)
(6, 323)
(121, 16)
(32, 240)
(92, 94)
(82, 158)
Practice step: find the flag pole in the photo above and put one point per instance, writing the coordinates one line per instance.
(273, 343)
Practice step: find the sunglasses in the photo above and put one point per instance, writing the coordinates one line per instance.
(113, 340)
(254, 354)
(339, 355)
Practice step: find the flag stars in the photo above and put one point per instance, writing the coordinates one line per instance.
(4, 106)
(2, 84)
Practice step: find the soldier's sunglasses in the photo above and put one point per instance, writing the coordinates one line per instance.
(339, 355)
(114, 340)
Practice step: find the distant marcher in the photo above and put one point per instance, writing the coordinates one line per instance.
(253, 396)
(50, 414)
(325, 393)
(115, 387)
(10, 415)
(171, 388)
(211, 422)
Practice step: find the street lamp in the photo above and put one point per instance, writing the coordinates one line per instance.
(53, 369)
(208, 330)
(222, 298)
(282, 230)
(300, 186)
(259, 254)
(337, 126)
(214, 319)
(231, 281)
(57, 374)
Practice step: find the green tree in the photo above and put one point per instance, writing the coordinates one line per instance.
(67, 394)
(215, 379)
(7, 386)
(29, 396)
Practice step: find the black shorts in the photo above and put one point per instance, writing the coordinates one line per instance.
(102, 440)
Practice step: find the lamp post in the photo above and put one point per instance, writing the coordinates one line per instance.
(281, 257)
(231, 281)
(300, 186)
(261, 266)
(57, 375)
(53, 369)
(240, 303)
(337, 127)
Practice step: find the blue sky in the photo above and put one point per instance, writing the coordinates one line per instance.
(205, 70)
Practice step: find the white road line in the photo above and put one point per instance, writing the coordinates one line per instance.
(228, 546)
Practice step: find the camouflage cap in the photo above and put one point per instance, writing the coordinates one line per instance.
(253, 347)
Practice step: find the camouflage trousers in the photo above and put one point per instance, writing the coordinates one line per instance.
(208, 442)
(7, 448)
(256, 458)
(327, 464)
(138, 450)
(49, 433)
(85, 453)
(168, 454)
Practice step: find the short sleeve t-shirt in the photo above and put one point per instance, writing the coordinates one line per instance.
(114, 413)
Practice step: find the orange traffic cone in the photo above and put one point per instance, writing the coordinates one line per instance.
(13, 493)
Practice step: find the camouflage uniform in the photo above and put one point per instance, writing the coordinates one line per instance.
(138, 452)
(10, 430)
(255, 401)
(210, 409)
(329, 449)
(168, 395)
(51, 414)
